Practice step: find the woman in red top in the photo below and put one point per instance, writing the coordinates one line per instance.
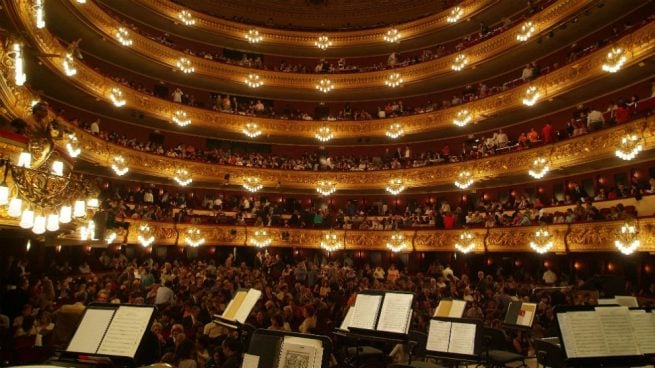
(622, 114)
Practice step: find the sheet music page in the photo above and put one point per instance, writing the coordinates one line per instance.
(250, 361)
(462, 338)
(643, 326)
(366, 311)
(234, 304)
(247, 305)
(626, 301)
(615, 323)
(90, 331)
(347, 320)
(526, 314)
(443, 309)
(606, 301)
(299, 352)
(395, 313)
(582, 335)
(457, 309)
(125, 331)
(438, 336)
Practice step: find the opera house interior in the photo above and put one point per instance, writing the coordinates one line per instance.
(327, 183)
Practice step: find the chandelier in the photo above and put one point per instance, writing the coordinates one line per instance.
(81, 1)
(460, 62)
(69, 65)
(110, 236)
(253, 36)
(395, 186)
(464, 179)
(261, 238)
(182, 177)
(186, 17)
(627, 241)
(542, 240)
(145, 235)
(252, 183)
(73, 146)
(392, 36)
(466, 242)
(123, 36)
(44, 190)
(539, 168)
(88, 231)
(323, 42)
(526, 31)
(253, 81)
(19, 67)
(185, 65)
(181, 118)
(455, 15)
(330, 241)
(629, 148)
(394, 80)
(119, 165)
(194, 237)
(324, 134)
(397, 242)
(614, 60)
(462, 118)
(251, 130)
(326, 187)
(531, 96)
(325, 85)
(395, 130)
(39, 14)
(116, 97)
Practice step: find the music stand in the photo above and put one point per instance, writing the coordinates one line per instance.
(446, 343)
(267, 345)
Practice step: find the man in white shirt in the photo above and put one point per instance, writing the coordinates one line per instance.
(595, 120)
(95, 127)
(501, 139)
(148, 197)
(164, 294)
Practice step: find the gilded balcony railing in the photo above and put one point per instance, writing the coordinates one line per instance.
(577, 237)
(496, 45)
(235, 30)
(637, 45)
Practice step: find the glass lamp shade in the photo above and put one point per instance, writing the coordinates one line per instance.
(79, 209)
(65, 214)
(39, 225)
(15, 206)
(4, 195)
(27, 219)
(25, 160)
(53, 222)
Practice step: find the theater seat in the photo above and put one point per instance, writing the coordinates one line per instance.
(497, 352)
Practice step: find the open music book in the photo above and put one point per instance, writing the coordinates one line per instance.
(622, 300)
(387, 312)
(450, 308)
(451, 337)
(111, 331)
(241, 305)
(520, 314)
(602, 332)
(300, 352)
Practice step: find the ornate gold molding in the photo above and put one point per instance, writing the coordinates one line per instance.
(235, 30)
(571, 152)
(579, 237)
(480, 52)
(638, 46)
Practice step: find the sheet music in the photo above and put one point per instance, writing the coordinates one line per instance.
(643, 327)
(347, 320)
(450, 308)
(300, 352)
(125, 331)
(526, 314)
(90, 331)
(234, 304)
(462, 338)
(615, 322)
(250, 361)
(626, 301)
(438, 336)
(247, 305)
(582, 335)
(366, 310)
(395, 313)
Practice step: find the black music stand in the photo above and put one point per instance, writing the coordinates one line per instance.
(267, 344)
(454, 355)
